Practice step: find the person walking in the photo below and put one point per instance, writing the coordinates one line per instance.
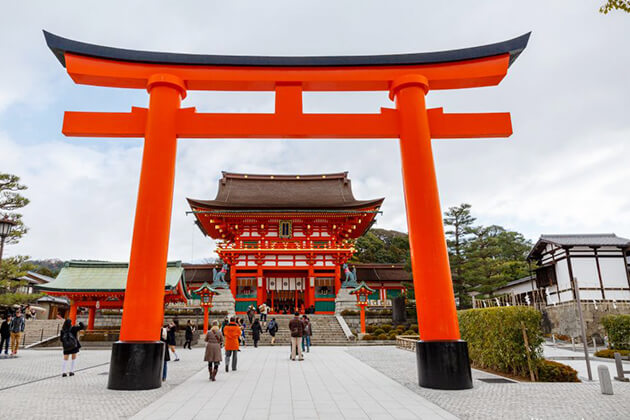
(69, 338)
(272, 329)
(167, 356)
(190, 328)
(214, 342)
(256, 331)
(263, 313)
(5, 335)
(308, 332)
(231, 332)
(296, 327)
(226, 321)
(16, 327)
(243, 326)
(250, 314)
(170, 339)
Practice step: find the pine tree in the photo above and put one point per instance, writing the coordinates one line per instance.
(459, 223)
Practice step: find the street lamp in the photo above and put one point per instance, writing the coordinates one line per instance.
(206, 292)
(362, 291)
(6, 225)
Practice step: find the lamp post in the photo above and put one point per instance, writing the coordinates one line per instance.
(6, 225)
(206, 292)
(362, 291)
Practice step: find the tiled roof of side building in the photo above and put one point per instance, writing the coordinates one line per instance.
(92, 276)
(595, 239)
(312, 192)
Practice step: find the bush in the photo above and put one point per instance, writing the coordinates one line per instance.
(368, 337)
(610, 353)
(370, 329)
(414, 327)
(550, 371)
(382, 336)
(495, 338)
(378, 331)
(409, 332)
(386, 327)
(392, 335)
(618, 331)
(349, 312)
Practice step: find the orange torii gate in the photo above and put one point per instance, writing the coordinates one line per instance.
(136, 360)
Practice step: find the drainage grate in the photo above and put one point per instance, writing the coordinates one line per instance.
(497, 381)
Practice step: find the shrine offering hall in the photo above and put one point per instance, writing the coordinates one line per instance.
(286, 239)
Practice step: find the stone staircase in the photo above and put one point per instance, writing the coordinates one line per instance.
(326, 331)
(37, 330)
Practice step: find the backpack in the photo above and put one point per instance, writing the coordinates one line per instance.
(68, 340)
(272, 326)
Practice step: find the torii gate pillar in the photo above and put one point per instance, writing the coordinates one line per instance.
(137, 359)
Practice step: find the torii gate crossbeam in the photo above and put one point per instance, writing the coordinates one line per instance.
(136, 361)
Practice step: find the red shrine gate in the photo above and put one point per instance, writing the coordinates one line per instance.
(136, 359)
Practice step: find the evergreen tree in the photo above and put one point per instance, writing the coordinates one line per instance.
(458, 222)
(10, 201)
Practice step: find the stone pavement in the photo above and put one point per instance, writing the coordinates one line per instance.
(504, 400)
(31, 386)
(330, 384)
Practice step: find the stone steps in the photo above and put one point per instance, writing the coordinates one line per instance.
(37, 330)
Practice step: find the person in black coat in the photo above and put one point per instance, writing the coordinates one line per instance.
(5, 335)
(170, 338)
(167, 356)
(256, 331)
(190, 328)
(69, 337)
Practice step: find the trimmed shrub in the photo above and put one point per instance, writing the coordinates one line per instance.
(409, 332)
(368, 337)
(618, 331)
(495, 338)
(386, 327)
(370, 329)
(550, 371)
(378, 331)
(349, 312)
(414, 327)
(392, 335)
(610, 353)
(382, 337)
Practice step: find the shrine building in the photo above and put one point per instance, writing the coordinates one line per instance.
(285, 237)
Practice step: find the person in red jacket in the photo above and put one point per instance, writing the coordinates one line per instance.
(231, 333)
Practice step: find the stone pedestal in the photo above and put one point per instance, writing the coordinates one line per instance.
(224, 301)
(344, 301)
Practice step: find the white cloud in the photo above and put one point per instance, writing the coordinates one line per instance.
(563, 170)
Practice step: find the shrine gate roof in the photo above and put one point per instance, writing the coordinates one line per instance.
(60, 46)
(287, 192)
(97, 276)
(382, 272)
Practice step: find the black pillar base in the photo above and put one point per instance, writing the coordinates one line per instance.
(443, 364)
(136, 365)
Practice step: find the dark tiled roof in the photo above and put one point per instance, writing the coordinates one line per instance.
(249, 191)
(585, 239)
(595, 239)
(382, 272)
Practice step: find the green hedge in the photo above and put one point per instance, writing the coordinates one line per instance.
(550, 371)
(610, 353)
(618, 331)
(495, 338)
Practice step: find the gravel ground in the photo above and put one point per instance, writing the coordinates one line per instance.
(504, 401)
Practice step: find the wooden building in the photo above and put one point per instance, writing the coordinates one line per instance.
(593, 265)
(285, 237)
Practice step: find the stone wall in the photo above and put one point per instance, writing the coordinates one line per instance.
(354, 321)
(112, 322)
(564, 319)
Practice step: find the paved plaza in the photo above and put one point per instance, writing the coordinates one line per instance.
(332, 383)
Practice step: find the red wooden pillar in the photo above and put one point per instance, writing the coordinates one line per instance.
(91, 315)
(337, 279)
(206, 310)
(260, 291)
(143, 309)
(73, 312)
(362, 319)
(233, 281)
(435, 301)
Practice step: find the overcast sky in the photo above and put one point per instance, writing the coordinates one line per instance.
(565, 169)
